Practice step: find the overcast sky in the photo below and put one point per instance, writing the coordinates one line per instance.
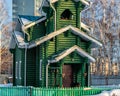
(9, 7)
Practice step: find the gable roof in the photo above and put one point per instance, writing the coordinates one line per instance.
(17, 38)
(75, 31)
(28, 21)
(45, 2)
(41, 40)
(80, 52)
(86, 2)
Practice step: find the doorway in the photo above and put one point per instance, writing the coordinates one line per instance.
(67, 75)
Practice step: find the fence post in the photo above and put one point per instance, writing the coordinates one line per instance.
(30, 89)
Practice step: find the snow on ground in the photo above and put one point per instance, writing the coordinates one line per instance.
(6, 85)
(114, 92)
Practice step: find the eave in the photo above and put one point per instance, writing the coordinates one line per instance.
(76, 31)
(17, 38)
(45, 2)
(84, 26)
(86, 2)
(30, 22)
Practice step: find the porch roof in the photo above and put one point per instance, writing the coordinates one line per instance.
(76, 48)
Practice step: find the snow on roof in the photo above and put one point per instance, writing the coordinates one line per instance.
(20, 38)
(75, 31)
(12, 43)
(83, 35)
(80, 51)
(46, 2)
(25, 19)
(28, 19)
(84, 26)
(17, 38)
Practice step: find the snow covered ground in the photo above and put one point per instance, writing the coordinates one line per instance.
(114, 92)
(6, 85)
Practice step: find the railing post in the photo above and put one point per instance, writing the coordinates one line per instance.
(30, 91)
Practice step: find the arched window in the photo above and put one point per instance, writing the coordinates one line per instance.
(67, 14)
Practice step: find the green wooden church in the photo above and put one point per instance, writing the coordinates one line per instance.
(53, 49)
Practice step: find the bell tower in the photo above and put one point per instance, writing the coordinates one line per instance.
(68, 13)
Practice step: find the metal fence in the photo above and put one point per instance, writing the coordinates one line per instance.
(98, 80)
(33, 91)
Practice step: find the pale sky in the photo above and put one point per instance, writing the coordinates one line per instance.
(9, 7)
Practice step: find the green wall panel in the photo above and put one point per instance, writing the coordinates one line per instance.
(31, 67)
(36, 31)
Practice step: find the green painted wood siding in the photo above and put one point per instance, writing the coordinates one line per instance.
(62, 6)
(50, 48)
(51, 77)
(36, 31)
(73, 58)
(31, 67)
(19, 63)
(42, 56)
(66, 40)
(77, 75)
(54, 75)
(50, 21)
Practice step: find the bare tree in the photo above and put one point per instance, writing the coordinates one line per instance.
(104, 18)
(5, 31)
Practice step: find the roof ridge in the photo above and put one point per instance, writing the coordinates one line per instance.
(68, 51)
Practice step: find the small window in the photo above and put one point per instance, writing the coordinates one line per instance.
(67, 14)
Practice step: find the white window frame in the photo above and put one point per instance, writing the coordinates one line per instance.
(40, 70)
(16, 70)
(19, 69)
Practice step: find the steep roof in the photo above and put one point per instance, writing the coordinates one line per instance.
(43, 39)
(26, 19)
(29, 21)
(75, 31)
(46, 2)
(17, 38)
(76, 48)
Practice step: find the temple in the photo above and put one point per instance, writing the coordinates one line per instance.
(53, 49)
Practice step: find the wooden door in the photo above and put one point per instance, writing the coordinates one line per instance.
(67, 76)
